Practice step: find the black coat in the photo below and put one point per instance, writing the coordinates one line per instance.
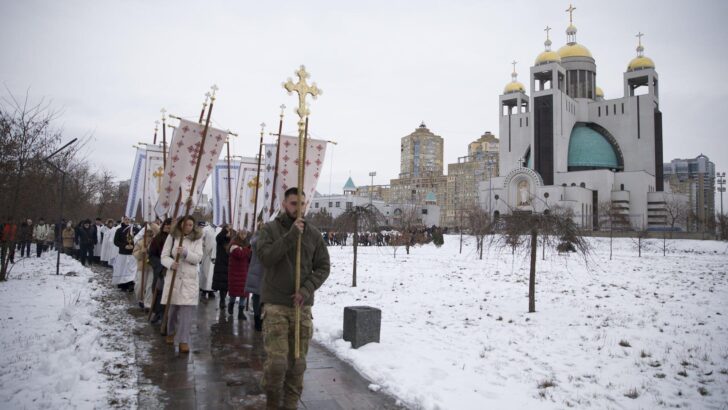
(87, 237)
(220, 273)
(122, 239)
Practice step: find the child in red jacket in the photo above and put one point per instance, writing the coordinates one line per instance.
(238, 263)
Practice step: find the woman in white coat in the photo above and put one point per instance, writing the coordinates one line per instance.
(185, 293)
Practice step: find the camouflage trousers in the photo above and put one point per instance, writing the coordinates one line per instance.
(282, 373)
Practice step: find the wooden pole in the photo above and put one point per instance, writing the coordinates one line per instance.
(144, 261)
(188, 205)
(257, 178)
(230, 190)
(302, 139)
(275, 173)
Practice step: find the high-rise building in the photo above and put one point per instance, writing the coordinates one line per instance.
(464, 176)
(694, 177)
(421, 170)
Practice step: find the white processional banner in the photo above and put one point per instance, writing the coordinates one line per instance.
(220, 210)
(136, 184)
(183, 151)
(288, 167)
(244, 201)
(268, 172)
(154, 172)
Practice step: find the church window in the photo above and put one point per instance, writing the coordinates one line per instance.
(573, 184)
(599, 111)
(349, 205)
(316, 205)
(526, 121)
(331, 204)
(583, 185)
(621, 187)
(520, 122)
(338, 204)
(622, 108)
(614, 109)
(606, 110)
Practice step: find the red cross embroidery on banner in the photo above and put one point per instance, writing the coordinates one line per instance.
(308, 162)
(316, 174)
(175, 158)
(284, 172)
(165, 204)
(296, 161)
(180, 143)
(218, 137)
(286, 158)
(172, 174)
(285, 187)
(168, 189)
(209, 167)
(287, 144)
(189, 178)
(185, 128)
(318, 162)
(319, 147)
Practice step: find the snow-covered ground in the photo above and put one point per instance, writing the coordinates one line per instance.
(62, 345)
(648, 332)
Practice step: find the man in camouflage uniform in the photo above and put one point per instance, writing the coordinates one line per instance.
(276, 249)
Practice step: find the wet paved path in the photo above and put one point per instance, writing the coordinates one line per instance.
(224, 366)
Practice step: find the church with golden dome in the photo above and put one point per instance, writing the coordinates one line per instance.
(567, 144)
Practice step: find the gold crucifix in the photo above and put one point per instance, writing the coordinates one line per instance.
(514, 62)
(302, 89)
(570, 10)
(159, 173)
(547, 30)
(639, 37)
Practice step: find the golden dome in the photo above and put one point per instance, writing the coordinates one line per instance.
(640, 62)
(574, 50)
(547, 57)
(599, 92)
(514, 87)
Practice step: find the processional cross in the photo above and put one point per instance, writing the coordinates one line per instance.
(303, 89)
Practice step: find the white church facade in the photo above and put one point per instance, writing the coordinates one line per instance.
(567, 145)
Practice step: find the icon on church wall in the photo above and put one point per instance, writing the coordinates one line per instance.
(524, 196)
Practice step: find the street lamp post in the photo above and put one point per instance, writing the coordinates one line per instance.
(721, 189)
(371, 187)
(63, 183)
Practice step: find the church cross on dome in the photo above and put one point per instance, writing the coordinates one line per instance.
(570, 10)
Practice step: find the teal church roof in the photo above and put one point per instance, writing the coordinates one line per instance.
(590, 149)
(431, 197)
(349, 186)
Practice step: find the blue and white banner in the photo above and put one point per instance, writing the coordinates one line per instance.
(221, 182)
(154, 172)
(136, 184)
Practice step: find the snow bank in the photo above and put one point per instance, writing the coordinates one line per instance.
(51, 354)
(632, 332)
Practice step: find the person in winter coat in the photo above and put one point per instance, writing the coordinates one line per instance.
(69, 236)
(238, 263)
(51, 239)
(25, 237)
(144, 276)
(86, 242)
(252, 283)
(155, 260)
(40, 231)
(182, 254)
(220, 273)
(124, 263)
(276, 249)
(9, 235)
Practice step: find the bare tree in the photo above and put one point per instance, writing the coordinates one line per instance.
(613, 219)
(521, 229)
(357, 219)
(321, 219)
(722, 223)
(480, 226)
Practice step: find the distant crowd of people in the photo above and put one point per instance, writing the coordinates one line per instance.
(382, 238)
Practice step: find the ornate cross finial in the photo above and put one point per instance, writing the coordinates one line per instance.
(639, 37)
(262, 129)
(640, 48)
(547, 29)
(156, 125)
(214, 91)
(283, 109)
(303, 89)
(164, 114)
(514, 62)
(570, 10)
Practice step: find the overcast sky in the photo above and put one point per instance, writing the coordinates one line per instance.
(384, 66)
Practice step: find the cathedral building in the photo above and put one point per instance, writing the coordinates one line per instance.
(568, 145)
